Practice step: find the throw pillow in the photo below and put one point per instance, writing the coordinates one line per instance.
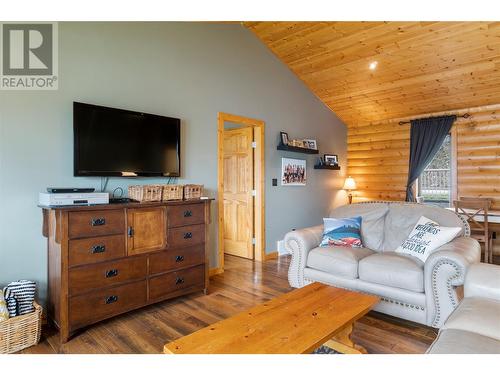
(427, 236)
(342, 232)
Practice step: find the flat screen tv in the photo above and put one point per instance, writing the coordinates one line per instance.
(115, 142)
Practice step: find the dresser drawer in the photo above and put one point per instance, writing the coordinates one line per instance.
(176, 258)
(102, 304)
(96, 223)
(163, 285)
(106, 274)
(96, 249)
(186, 236)
(181, 215)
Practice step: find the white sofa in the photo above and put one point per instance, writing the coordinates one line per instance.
(474, 327)
(409, 289)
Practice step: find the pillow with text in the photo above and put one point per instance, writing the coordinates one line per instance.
(427, 236)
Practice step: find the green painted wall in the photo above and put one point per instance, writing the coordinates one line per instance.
(185, 70)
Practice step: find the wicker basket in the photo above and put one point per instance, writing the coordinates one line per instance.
(21, 331)
(172, 192)
(193, 191)
(145, 193)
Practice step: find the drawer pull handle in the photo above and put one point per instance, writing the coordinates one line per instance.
(96, 222)
(111, 299)
(130, 231)
(179, 280)
(188, 235)
(179, 258)
(96, 249)
(188, 213)
(111, 273)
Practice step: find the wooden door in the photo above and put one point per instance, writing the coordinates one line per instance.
(238, 186)
(146, 230)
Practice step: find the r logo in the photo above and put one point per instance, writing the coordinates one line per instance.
(28, 58)
(27, 49)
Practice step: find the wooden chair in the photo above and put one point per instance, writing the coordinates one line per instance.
(471, 208)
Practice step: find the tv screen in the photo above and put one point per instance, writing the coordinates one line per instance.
(114, 142)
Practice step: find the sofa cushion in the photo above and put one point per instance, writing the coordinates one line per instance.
(455, 341)
(402, 217)
(391, 269)
(478, 315)
(339, 261)
(372, 221)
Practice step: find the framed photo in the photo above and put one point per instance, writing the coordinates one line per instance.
(331, 159)
(293, 172)
(310, 143)
(284, 138)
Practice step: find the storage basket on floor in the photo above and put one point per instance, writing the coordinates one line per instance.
(21, 331)
(193, 191)
(145, 193)
(172, 192)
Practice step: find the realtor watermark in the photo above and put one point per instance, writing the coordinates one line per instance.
(29, 56)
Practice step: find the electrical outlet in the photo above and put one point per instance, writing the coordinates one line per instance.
(275, 182)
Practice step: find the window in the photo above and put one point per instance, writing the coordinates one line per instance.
(434, 184)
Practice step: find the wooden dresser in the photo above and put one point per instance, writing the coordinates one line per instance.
(109, 259)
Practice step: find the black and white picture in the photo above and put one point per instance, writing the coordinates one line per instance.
(310, 143)
(293, 172)
(331, 159)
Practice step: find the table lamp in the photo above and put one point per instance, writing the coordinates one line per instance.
(349, 185)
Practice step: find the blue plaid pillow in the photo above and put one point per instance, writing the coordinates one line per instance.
(342, 232)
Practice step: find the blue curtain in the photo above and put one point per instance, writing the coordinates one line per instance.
(426, 137)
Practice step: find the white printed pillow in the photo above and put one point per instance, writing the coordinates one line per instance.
(426, 237)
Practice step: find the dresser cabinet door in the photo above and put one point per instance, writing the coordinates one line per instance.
(146, 230)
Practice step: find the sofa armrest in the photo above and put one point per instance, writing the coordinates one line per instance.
(483, 281)
(444, 270)
(299, 243)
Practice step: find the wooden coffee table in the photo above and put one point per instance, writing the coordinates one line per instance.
(297, 322)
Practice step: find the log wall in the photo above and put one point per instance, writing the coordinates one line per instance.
(378, 156)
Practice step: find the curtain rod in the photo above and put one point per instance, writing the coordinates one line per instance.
(465, 115)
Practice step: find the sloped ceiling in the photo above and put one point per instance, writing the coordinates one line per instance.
(422, 67)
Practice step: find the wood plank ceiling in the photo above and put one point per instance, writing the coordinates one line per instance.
(423, 67)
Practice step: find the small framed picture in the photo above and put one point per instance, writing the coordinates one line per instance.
(310, 143)
(284, 138)
(331, 159)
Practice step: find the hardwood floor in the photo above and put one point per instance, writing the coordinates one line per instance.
(243, 284)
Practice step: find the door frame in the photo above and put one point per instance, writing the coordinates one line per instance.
(259, 169)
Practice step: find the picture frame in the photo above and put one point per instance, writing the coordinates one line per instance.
(310, 144)
(284, 138)
(293, 172)
(298, 143)
(331, 159)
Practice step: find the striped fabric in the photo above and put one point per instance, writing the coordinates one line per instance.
(19, 296)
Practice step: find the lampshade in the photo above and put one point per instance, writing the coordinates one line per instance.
(349, 184)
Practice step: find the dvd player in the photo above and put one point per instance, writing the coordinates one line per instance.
(69, 190)
(72, 199)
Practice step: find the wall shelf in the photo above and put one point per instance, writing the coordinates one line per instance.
(331, 167)
(302, 150)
